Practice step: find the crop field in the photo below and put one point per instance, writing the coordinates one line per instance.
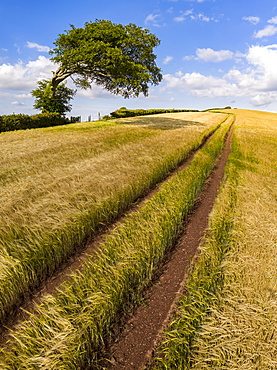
(228, 318)
(58, 186)
(63, 186)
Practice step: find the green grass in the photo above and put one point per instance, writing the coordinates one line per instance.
(228, 318)
(69, 331)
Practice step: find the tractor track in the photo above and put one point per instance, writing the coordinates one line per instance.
(143, 332)
(75, 261)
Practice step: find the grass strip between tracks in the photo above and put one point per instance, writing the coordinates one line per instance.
(68, 331)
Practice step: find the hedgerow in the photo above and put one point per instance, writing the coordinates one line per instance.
(14, 122)
(124, 112)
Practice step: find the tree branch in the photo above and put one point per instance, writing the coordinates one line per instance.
(58, 76)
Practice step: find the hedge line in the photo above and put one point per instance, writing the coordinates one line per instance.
(124, 112)
(23, 121)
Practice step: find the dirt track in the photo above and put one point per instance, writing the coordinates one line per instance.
(142, 333)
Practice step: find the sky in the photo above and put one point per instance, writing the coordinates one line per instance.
(213, 53)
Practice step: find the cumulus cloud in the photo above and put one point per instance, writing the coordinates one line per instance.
(210, 55)
(23, 77)
(167, 59)
(200, 85)
(95, 92)
(273, 20)
(267, 31)
(258, 79)
(253, 20)
(33, 45)
(263, 99)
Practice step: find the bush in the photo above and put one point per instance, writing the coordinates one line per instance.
(124, 112)
(23, 121)
(106, 117)
(207, 110)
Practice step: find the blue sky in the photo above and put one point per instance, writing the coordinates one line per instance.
(213, 53)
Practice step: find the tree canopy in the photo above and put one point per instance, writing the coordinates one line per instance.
(52, 104)
(116, 57)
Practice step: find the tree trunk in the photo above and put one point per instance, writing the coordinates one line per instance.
(59, 76)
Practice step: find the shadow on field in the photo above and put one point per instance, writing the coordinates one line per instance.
(160, 123)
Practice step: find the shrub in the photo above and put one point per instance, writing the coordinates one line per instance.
(23, 121)
(124, 112)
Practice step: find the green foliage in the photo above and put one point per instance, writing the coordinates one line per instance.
(23, 121)
(124, 112)
(106, 117)
(47, 103)
(116, 57)
(207, 110)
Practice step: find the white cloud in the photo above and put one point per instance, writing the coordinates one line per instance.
(253, 20)
(263, 99)
(95, 92)
(210, 55)
(167, 59)
(183, 16)
(267, 31)
(258, 79)
(189, 57)
(200, 85)
(201, 17)
(152, 18)
(196, 17)
(5, 95)
(33, 45)
(273, 20)
(264, 59)
(19, 103)
(22, 76)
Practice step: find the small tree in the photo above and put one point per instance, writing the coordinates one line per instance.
(116, 57)
(47, 103)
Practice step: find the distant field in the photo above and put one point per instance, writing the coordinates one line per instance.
(228, 320)
(58, 185)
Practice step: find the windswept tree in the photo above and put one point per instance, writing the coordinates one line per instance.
(47, 103)
(118, 58)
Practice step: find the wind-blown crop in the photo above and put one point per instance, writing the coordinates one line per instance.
(59, 185)
(227, 320)
(68, 331)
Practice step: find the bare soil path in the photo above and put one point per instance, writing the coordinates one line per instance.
(142, 333)
(75, 262)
